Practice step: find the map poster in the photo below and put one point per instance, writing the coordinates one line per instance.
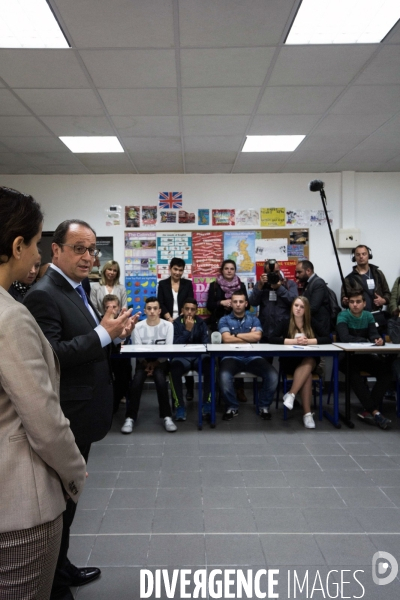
(208, 253)
(273, 217)
(203, 217)
(132, 216)
(240, 247)
(223, 217)
(287, 267)
(171, 245)
(201, 286)
(138, 289)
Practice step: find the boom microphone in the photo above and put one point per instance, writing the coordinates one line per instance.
(316, 185)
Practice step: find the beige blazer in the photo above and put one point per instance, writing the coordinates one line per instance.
(37, 448)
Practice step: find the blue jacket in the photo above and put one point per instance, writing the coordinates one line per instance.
(198, 335)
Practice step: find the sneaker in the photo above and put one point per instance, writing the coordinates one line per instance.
(381, 421)
(230, 414)
(127, 427)
(180, 414)
(265, 414)
(240, 395)
(288, 400)
(169, 425)
(308, 421)
(367, 417)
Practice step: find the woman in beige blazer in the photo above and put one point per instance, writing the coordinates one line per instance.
(40, 464)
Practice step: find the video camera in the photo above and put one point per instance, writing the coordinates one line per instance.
(273, 276)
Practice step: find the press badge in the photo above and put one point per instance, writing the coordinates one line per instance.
(272, 296)
(371, 284)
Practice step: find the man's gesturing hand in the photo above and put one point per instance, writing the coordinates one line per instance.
(117, 327)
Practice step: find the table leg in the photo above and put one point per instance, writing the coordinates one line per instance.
(335, 418)
(346, 417)
(212, 390)
(200, 394)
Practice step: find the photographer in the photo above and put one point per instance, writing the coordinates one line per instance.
(274, 295)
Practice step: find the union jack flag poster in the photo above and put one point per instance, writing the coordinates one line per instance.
(170, 200)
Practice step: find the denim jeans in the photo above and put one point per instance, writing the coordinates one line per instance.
(178, 367)
(253, 364)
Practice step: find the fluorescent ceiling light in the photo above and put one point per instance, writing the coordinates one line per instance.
(343, 21)
(272, 143)
(29, 24)
(92, 144)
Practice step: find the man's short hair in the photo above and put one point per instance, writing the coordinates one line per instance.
(239, 293)
(152, 299)
(60, 233)
(306, 264)
(177, 262)
(355, 293)
(110, 298)
(190, 301)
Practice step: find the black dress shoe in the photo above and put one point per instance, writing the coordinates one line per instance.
(84, 575)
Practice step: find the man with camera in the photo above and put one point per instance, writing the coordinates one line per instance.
(274, 295)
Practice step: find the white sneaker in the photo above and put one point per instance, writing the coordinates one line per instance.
(308, 421)
(127, 427)
(169, 425)
(288, 400)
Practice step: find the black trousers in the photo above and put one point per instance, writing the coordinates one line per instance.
(160, 380)
(377, 367)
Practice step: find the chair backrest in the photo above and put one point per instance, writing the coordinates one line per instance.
(216, 337)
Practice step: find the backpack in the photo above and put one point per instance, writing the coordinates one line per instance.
(334, 308)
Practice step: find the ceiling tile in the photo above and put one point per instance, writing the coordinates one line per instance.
(131, 68)
(32, 144)
(369, 99)
(36, 68)
(282, 124)
(258, 167)
(14, 160)
(384, 69)
(9, 105)
(292, 100)
(327, 148)
(358, 124)
(222, 143)
(207, 158)
(52, 158)
(161, 169)
(225, 67)
(152, 159)
(152, 144)
(141, 102)
(113, 169)
(28, 170)
(319, 65)
(261, 158)
(207, 168)
(21, 126)
(120, 23)
(64, 170)
(103, 158)
(232, 22)
(61, 102)
(219, 101)
(312, 167)
(348, 163)
(214, 125)
(79, 125)
(147, 126)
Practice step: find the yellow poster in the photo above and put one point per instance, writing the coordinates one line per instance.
(273, 217)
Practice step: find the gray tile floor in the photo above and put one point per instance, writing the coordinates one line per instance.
(249, 494)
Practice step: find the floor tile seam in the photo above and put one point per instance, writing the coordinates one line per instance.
(390, 500)
(249, 533)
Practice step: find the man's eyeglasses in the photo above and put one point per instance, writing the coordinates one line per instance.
(82, 249)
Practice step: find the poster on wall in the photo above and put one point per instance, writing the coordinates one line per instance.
(299, 218)
(186, 217)
(208, 253)
(173, 244)
(200, 288)
(106, 247)
(271, 248)
(318, 218)
(170, 200)
(287, 267)
(203, 217)
(163, 272)
(149, 216)
(240, 247)
(138, 289)
(298, 237)
(273, 217)
(132, 216)
(223, 217)
(140, 267)
(250, 217)
(167, 216)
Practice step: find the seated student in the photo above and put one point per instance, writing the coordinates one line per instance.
(297, 330)
(151, 331)
(241, 328)
(120, 365)
(358, 325)
(189, 329)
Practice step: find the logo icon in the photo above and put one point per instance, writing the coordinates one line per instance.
(384, 564)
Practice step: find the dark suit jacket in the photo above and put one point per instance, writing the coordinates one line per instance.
(166, 298)
(316, 292)
(86, 382)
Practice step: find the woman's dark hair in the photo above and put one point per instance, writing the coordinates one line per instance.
(225, 262)
(20, 215)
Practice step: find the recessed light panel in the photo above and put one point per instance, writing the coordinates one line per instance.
(92, 144)
(343, 21)
(272, 143)
(29, 24)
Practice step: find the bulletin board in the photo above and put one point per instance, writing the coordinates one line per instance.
(148, 253)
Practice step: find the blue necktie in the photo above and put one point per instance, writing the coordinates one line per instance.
(83, 295)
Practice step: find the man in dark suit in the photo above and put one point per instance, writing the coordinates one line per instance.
(71, 325)
(316, 292)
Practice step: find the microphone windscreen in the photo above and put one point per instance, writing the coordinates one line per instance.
(316, 185)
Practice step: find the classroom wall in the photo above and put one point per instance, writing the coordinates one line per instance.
(369, 201)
